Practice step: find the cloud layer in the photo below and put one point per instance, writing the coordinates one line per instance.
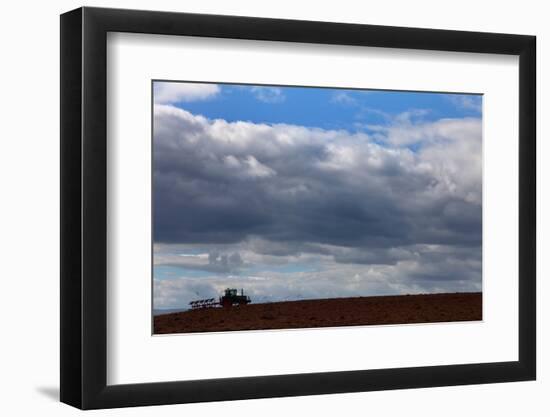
(395, 210)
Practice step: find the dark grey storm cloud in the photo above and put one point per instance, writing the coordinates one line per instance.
(219, 182)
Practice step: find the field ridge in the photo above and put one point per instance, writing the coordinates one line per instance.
(332, 312)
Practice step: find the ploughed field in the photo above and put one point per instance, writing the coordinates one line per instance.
(400, 309)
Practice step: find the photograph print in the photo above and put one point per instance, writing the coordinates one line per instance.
(290, 207)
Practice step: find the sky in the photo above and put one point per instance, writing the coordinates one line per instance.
(300, 193)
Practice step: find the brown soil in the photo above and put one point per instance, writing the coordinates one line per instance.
(401, 309)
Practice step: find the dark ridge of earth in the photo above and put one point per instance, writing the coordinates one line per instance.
(355, 311)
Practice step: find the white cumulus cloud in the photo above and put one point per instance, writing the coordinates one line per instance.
(175, 92)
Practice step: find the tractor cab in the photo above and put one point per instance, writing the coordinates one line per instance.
(230, 292)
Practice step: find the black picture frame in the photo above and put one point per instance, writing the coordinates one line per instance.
(84, 208)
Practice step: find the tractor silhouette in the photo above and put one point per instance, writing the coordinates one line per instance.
(230, 298)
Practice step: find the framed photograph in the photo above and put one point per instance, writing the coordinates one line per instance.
(257, 208)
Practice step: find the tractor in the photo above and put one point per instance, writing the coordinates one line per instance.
(231, 298)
